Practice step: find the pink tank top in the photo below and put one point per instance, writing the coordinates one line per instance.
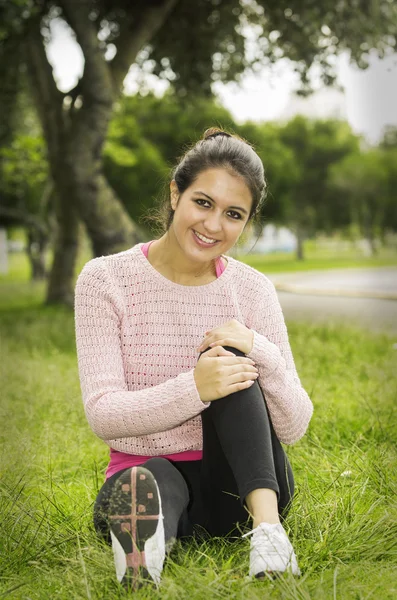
(219, 266)
(122, 460)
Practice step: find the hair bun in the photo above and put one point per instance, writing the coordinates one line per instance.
(213, 132)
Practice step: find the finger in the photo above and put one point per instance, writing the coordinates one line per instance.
(239, 385)
(205, 343)
(234, 360)
(215, 344)
(221, 343)
(210, 342)
(220, 351)
(241, 368)
(246, 376)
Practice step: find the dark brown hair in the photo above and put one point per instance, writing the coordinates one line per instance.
(217, 149)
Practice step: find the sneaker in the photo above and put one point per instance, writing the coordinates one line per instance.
(136, 528)
(271, 551)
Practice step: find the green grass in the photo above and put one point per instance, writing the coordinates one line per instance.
(316, 257)
(282, 263)
(343, 522)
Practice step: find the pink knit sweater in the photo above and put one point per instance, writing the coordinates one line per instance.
(137, 334)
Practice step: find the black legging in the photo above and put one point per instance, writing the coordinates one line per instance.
(241, 453)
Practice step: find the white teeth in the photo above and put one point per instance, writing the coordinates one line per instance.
(206, 240)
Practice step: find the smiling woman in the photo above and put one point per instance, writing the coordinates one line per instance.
(204, 226)
(189, 434)
(216, 189)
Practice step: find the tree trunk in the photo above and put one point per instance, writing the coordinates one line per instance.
(107, 222)
(76, 130)
(61, 281)
(3, 252)
(383, 236)
(371, 241)
(300, 238)
(368, 228)
(36, 249)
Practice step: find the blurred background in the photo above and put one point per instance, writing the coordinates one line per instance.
(98, 100)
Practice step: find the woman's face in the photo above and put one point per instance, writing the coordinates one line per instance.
(217, 206)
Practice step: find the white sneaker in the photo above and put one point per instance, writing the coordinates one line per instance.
(136, 528)
(271, 551)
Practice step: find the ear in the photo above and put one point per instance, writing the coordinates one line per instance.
(174, 194)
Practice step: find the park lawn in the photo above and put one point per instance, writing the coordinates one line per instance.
(343, 522)
(316, 258)
(284, 263)
(278, 262)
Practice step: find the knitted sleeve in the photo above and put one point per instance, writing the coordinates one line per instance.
(289, 405)
(112, 410)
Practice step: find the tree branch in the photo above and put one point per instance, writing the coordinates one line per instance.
(27, 219)
(135, 35)
(48, 99)
(96, 82)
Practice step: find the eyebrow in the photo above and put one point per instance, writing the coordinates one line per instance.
(212, 200)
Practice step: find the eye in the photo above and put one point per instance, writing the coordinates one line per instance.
(235, 218)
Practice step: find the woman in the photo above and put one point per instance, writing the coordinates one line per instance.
(187, 374)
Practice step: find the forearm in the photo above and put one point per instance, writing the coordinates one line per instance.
(289, 404)
(122, 413)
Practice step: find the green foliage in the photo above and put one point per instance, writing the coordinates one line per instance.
(148, 133)
(173, 124)
(23, 184)
(145, 137)
(315, 170)
(205, 41)
(367, 181)
(198, 44)
(281, 168)
(389, 140)
(317, 144)
(132, 164)
(25, 170)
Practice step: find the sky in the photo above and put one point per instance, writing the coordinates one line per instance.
(368, 102)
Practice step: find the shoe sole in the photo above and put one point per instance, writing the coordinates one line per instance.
(134, 518)
(278, 574)
(268, 574)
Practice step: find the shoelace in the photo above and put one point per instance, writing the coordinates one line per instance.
(249, 533)
(272, 536)
(259, 528)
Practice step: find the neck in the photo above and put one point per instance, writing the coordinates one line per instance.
(167, 255)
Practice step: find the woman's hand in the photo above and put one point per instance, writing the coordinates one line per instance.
(232, 334)
(219, 373)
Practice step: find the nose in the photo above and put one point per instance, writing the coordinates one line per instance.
(212, 224)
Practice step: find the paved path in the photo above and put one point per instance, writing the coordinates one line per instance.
(380, 282)
(363, 297)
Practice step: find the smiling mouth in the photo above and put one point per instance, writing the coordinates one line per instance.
(205, 239)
